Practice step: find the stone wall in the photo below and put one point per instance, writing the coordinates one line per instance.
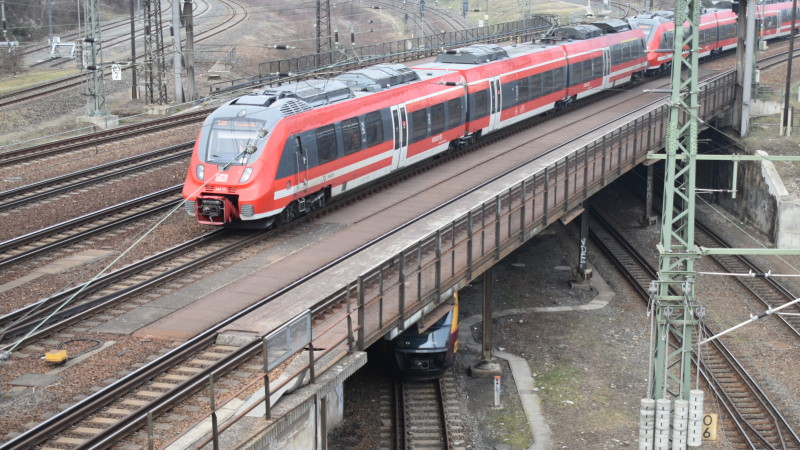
(761, 198)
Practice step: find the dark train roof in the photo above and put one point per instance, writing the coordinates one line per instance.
(613, 25)
(580, 32)
(661, 16)
(473, 54)
(292, 98)
(377, 77)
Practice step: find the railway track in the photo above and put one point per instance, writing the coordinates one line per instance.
(133, 381)
(73, 182)
(103, 29)
(757, 420)
(37, 153)
(79, 229)
(238, 15)
(420, 420)
(767, 291)
(626, 10)
(110, 289)
(420, 414)
(423, 23)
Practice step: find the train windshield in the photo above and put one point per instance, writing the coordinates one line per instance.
(228, 139)
(435, 337)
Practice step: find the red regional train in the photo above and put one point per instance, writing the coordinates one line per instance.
(717, 31)
(284, 151)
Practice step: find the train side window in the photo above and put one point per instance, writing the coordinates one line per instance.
(453, 113)
(437, 119)
(374, 128)
(559, 79)
(616, 54)
(575, 74)
(547, 82)
(536, 86)
(587, 71)
(667, 40)
(351, 135)
(327, 149)
(597, 67)
(481, 103)
(523, 90)
(288, 163)
(419, 125)
(509, 94)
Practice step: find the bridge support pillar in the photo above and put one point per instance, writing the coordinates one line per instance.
(486, 366)
(582, 273)
(649, 218)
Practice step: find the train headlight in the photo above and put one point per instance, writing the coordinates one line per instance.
(246, 175)
(201, 172)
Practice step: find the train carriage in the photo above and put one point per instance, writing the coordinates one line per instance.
(718, 30)
(286, 150)
(775, 20)
(601, 55)
(506, 85)
(281, 152)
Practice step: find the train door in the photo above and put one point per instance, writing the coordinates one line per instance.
(301, 159)
(607, 83)
(495, 103)
(400, 132)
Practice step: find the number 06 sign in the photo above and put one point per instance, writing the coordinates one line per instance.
(710, 427)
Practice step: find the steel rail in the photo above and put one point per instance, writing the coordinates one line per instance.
(44, 307)
(71, 79)
(68, 417)
(71, 182)
(60, 147)
(766, 290)
(83, 227)
(747, 428)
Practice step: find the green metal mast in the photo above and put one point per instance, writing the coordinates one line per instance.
(675, 307)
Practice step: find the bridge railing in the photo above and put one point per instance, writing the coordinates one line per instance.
(344, 59)
(407, 49)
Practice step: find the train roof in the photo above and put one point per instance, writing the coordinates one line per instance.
(312, 92)
(581, 32)
(377, 77)
(452, 62)
(589, 30)
(473, 54)
(614, 25)
(295, 97)
(656, 16)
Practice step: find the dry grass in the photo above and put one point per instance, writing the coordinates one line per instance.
(32, 78)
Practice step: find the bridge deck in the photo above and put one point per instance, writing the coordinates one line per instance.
(340, 232)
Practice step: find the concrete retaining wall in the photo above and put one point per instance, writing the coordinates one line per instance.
(764, 108)
(761, 200)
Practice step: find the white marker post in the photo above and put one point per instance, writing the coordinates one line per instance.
(116, 72)
(497, 391)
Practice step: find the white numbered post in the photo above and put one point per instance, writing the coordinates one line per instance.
(116, 72)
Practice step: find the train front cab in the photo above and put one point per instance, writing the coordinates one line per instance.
(428, 348)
